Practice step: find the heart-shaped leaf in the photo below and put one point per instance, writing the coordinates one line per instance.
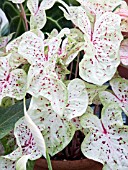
(77, 99)
(78, 16)
(107, 138)
(58, 131)
(38, 15)
(120, 88)
(102, 53)
(49, 86)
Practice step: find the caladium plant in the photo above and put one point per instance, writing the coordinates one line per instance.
(36, 64)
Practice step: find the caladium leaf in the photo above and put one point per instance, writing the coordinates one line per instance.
(15, 59)
(38, 15)
(58, 131)
(35, 132)
(107, 97)
(99, 7)
(9, 161)
(32, 48)
(120, 88)
(7, 164)
(107, 138)
(77, 99)
(102, 53)
(12, 84)
(78, 16)
(49, 86)
(124, 52)
(26, 140)
(36, 50)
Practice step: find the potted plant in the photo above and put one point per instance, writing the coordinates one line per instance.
(60, 91)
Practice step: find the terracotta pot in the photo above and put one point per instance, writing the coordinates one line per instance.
(84, 164)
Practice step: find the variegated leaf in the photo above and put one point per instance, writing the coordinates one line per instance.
(36, 133)
(43, 82)
(26, 140)
(32, 48)
(124, 52)
(15, 59)
(12, 84)
(6, 164)
(102, 53)
(78, 16)
(77, 99)
(58, 131)
(99, 7)
(107, 97)
(38, 15)
(107, 138)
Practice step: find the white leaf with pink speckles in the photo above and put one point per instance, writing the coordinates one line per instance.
(102, 53)
(15, 86)
(44, 82)
(58, 131)
(6, 164)
(32, 48)
(124, 52)
(38, 15)
(78, 16)
(77, 99)
(15, 58)
(120, 88)
(26, 140)
(15, 155)
(99, 7)
(107, 97)
(107, 138)
(36, 133)
(12, 84)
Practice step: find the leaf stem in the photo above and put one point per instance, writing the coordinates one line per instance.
(24, 17)
(48, 161)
